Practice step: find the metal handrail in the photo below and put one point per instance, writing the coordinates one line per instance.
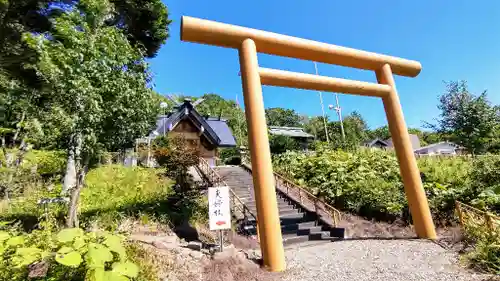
(215, 179)
(301, 195)
(492, 222)
(304, 195)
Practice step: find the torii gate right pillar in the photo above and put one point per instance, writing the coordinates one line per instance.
(417, 201)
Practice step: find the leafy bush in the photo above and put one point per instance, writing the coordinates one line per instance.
(116, 186)
(111, 193)
(486, 254)
(71, 254)
(114, 191)
(280, 144)
(47, 162)
(228, 153)
(486, 183)
(233, 160)
(485, 236)
(368, 182)
(363, 182)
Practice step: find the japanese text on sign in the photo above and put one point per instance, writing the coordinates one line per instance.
(219, 209)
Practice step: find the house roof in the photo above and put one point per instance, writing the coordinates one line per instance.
(373, 142)
(415, 142)
(215, 130)
(430, 146)
(293, 132)
(222, 130)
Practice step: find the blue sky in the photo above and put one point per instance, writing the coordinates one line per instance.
(454, 40)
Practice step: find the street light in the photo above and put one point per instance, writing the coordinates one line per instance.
(338, 109)
(164, 106)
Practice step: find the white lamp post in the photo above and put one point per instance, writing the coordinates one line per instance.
(164, 106)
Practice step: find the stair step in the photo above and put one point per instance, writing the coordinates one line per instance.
(294, 240)
(280, 204)
(290, 218)
(298, 229)
(310, 230)
(282, 209)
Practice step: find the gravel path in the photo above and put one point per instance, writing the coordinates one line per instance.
(387, 260)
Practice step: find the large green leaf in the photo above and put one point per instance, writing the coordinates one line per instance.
(65, 250)
(26, 256)
(15, 241)
(126, 268)
(115, 244)
(79, 243)
(28, 251)
(69, 234)
(99, 274)
(113, 276)
(72, 259)
(98, 255)
(4, 236)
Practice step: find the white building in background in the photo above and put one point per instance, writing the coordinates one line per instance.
(440, 148)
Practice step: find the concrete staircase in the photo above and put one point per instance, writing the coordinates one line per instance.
(297, 224)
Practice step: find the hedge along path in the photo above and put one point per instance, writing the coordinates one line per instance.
(250, 41)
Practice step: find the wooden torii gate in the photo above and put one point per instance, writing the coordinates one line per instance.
(251, 41)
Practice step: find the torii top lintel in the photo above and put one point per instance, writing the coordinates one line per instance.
(231, 36)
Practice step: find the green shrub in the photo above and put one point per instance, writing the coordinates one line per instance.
(70, 254)
(47, 163)
(115, 191)
(485, 186)
(233, 160)
(485, 255)
(111, 193)
(368, 182)
(227, 153)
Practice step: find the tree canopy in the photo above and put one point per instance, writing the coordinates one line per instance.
(282, 117)
(467, 119)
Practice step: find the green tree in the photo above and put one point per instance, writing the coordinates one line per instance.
(315, 126)
(380, 133)
(282, 117)
(355, 128)
(98, 82)
(469, 120)
(280, 144)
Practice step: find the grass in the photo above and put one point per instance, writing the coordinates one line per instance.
(112, 194)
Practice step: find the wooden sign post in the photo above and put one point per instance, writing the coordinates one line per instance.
(219, 210)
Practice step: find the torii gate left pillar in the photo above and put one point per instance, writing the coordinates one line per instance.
(265, 194)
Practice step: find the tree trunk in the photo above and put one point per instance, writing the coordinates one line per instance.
(69, 180)
(72, 219)
(18, 129)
